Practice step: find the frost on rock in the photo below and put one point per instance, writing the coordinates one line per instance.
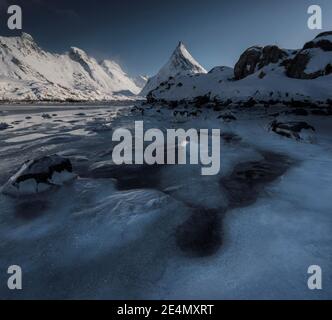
(39, 175)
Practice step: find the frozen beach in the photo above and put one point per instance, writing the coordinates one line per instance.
(167, 232)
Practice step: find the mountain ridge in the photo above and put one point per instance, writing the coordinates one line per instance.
(27, 72)
(263, 75)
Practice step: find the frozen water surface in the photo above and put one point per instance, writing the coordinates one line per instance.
(140, 232)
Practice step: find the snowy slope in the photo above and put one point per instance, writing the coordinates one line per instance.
(181, 63)
(140, 81)
(29, 73)
(261, 75)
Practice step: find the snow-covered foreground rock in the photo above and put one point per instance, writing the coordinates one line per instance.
(29, 73)
(263, 75)
(143, 232)
(39, 175)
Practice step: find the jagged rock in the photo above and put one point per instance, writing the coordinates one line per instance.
(255, 58)
(296, 68)
(320, 42)
(247, 62)
(293, 130)
(39, 175)
(271, 54)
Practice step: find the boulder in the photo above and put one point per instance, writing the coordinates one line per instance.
(247, 63)
(255, 58)
(4, 126)
(293, 130)
(39, 175)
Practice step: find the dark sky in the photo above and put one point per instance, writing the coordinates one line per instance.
(141, 34)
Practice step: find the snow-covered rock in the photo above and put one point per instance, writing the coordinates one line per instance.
(39, 175)
(180, 63)
(27, 72)
(314, 60)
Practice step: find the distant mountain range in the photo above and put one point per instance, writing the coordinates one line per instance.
(28, 73)
(262, 75)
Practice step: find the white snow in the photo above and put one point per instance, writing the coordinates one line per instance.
(180, 63)
(27, 72)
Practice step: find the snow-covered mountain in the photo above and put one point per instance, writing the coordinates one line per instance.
(262, 75)
(181, 63)
(27, 72)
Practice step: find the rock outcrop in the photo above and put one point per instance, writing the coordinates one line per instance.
(299, 67)
(255, 58)
(39, 175)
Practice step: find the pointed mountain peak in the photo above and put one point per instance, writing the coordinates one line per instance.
(181, 49)
(181, 45)
(182, 61)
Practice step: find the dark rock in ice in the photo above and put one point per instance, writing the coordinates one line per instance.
(293, 130)
(39, 175)
(227, 117)
(46, 116)
(4, 126)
